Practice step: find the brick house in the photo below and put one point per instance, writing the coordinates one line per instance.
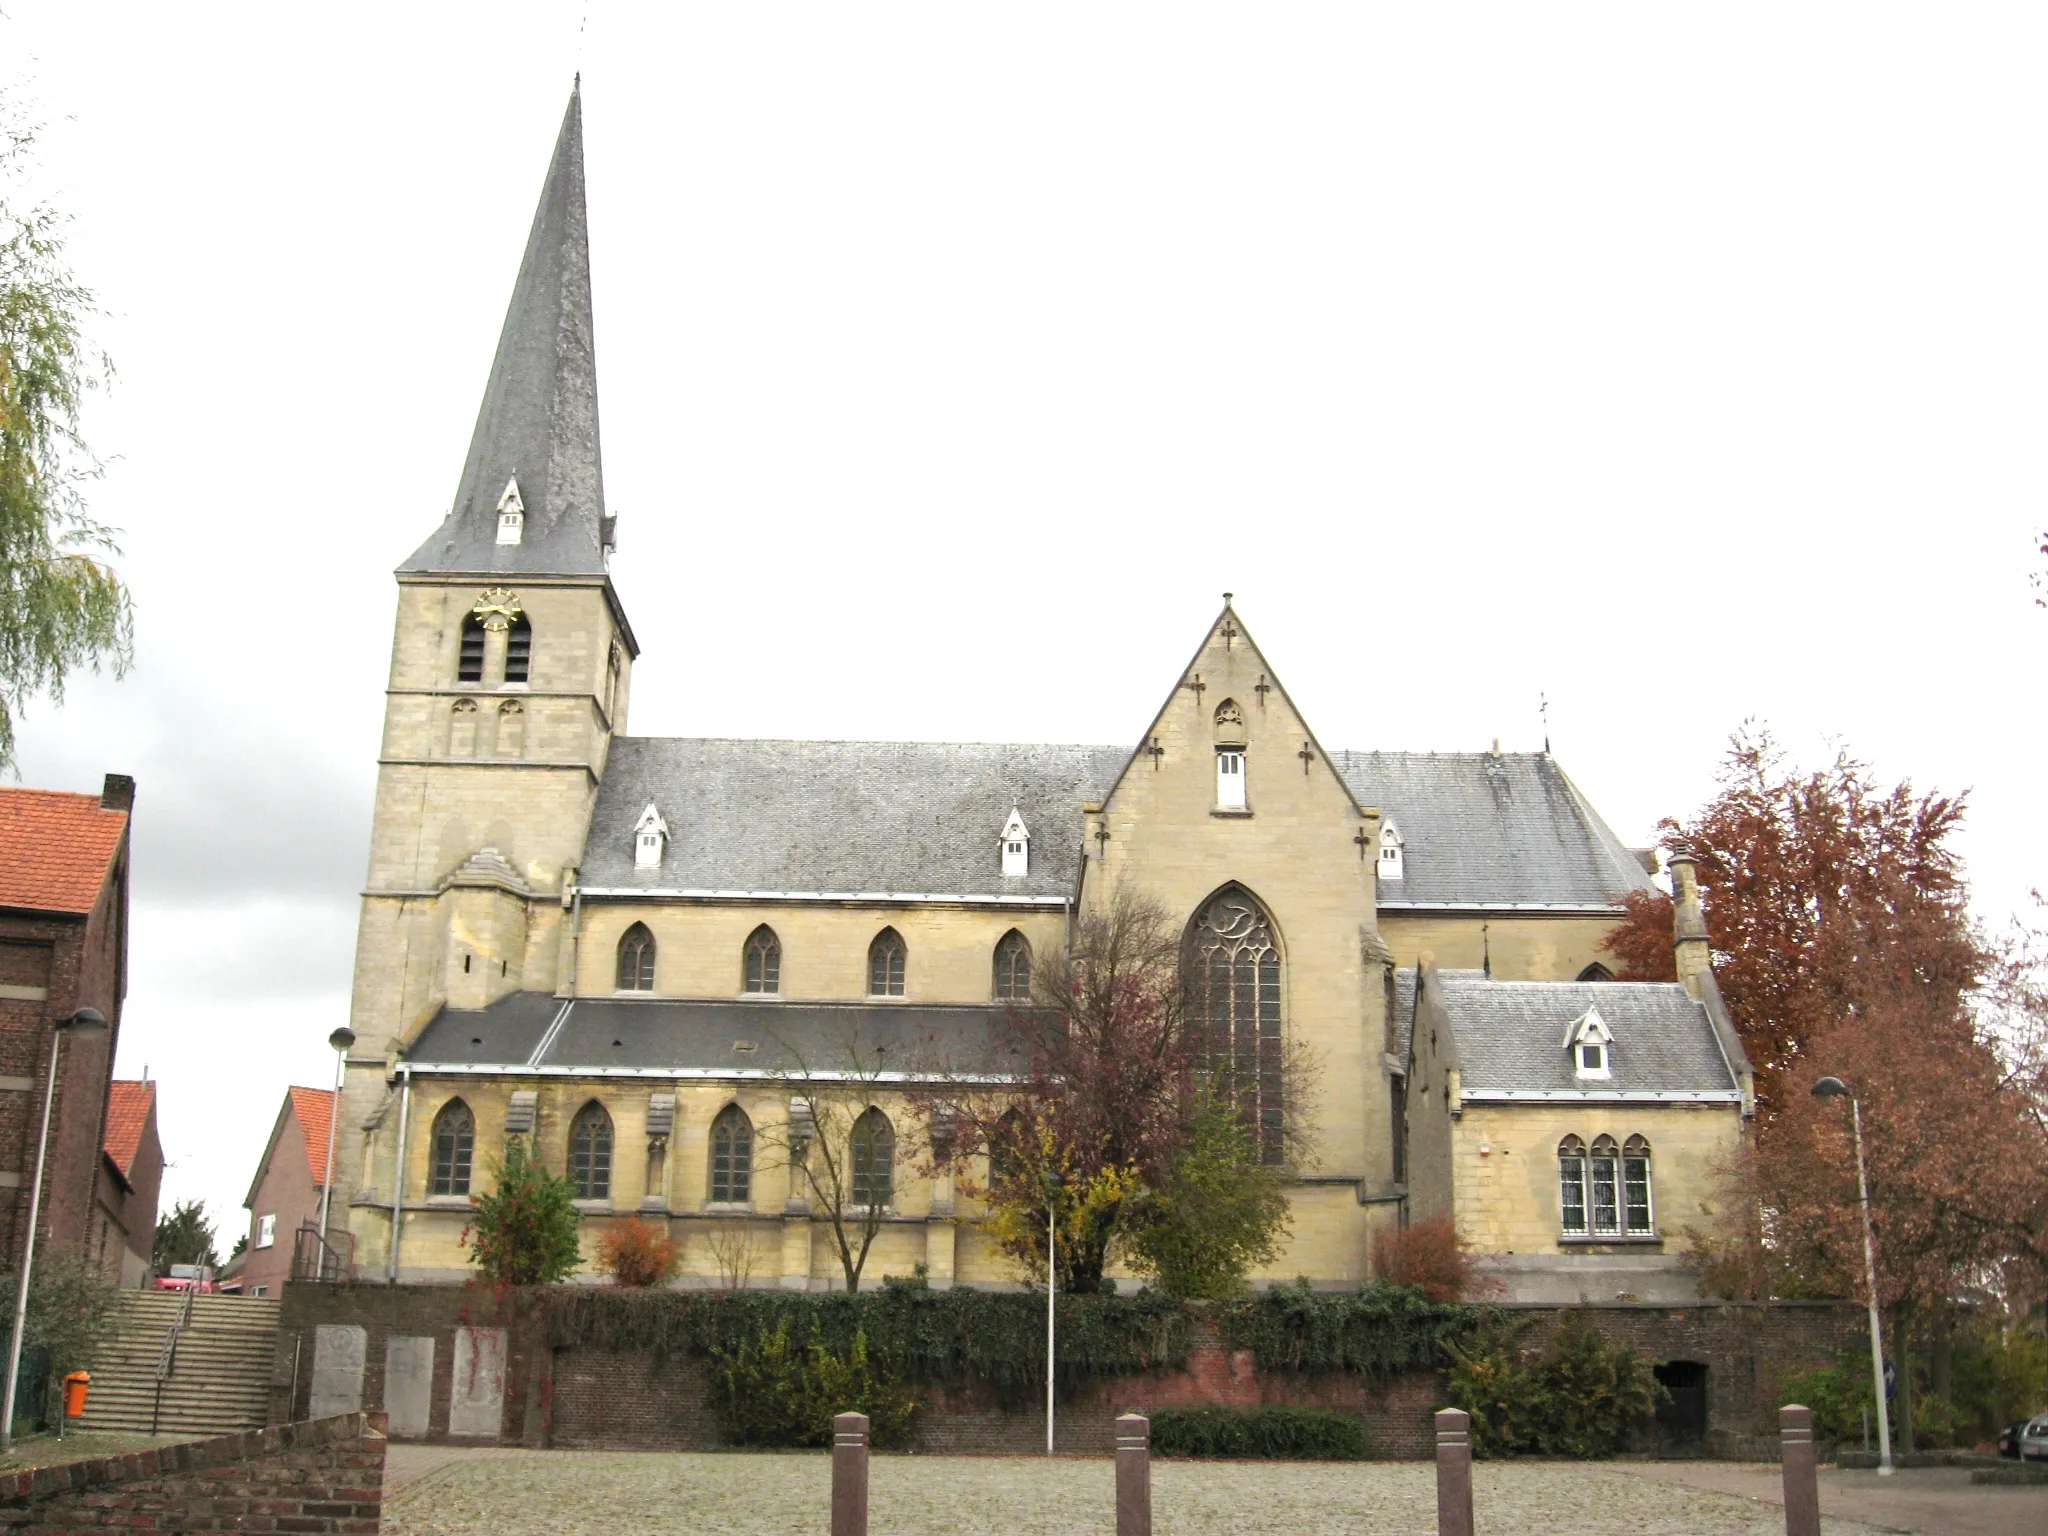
(285, 1194)
(131, 1178)
(63, 946)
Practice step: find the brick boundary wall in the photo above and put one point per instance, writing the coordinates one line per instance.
(595, 1399)
(325, 1478)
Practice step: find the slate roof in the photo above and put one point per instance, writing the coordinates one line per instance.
(902, 817)
(668, 1036)
(129, 1106)
(1510, 1036)
(55, 849)
(1478, 828)
(538, 420)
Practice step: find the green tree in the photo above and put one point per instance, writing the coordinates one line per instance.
(524, 1231)
(185, 1236)
(71, 1315)
(1216, 1216)
(61, 605)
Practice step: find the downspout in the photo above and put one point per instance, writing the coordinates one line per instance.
(398, 1178)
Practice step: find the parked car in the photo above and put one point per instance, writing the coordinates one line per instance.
(2034, 1439)
(2009, 1440)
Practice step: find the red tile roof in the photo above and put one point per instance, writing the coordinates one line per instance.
(55, 849)
(312, 1107)
(128, 1107)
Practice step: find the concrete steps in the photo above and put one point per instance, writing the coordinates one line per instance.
(220, 1375)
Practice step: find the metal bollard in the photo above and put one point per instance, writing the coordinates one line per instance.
(1453, 1473)
(1133, 1475)
(850, 1475)
(1802, 1480)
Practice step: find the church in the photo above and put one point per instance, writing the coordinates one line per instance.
(621, 948)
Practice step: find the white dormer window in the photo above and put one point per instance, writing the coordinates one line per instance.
(1230, 780)
(1390, 852)
(1591, 1043)
(511, 515)
(1016, 846)
(650, 838)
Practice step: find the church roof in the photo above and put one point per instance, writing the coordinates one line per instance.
(538, 421)
(1479, 828)
(845, 817)
(1510, 1034)
(669, 1037)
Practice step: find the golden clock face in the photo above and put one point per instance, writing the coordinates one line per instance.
(497, 608)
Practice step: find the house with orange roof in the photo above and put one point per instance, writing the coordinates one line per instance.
(63, 946)
(131, 1178)
(285, 1194)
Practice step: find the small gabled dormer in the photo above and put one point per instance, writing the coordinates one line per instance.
(1016, 846)
(650, 839)
(1591, 1043)
(1391, 846)
(511, 514)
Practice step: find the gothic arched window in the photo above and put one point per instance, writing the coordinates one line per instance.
(1013, 968)
(1234, 1010)
(469, 661)
(636, 960)
(1596, 972)
(885, 964)
(462, 728)
(874, 1159)
(454, 1142)
(1635, 1188)
(518, 649)
(1604, 1186)
(761, 962)
(1571, 1186)
(511, 729)
(732, 1157)
(590, 1153)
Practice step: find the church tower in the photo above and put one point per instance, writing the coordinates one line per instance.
(510, 667)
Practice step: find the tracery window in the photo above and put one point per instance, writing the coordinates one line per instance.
(761, 963)
(469, 662)
(518, 649)
(590, 1153)
(1234, 1009)
(1604, 1193)
(1635, 1188)
(1571, 1185)
(636, 960)
(732, 1157)
(454, 1142)
(1013, 968)
(886, 957)
(874, 1159)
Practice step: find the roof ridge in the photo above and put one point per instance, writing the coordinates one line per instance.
(867, 741)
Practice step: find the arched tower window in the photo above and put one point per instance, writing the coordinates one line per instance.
(761, 963)
(1013, 968)
(1596, 972)
(1604, 1186)
(732, 1157)
(462, 729)
(1636, 1210)
(886, 960)
(454, 1143)
(590, 1153)
(1571, 1186)
(1234, 1010)
(469, 661)
(874, 1159)
(636, 959)
(518, 649)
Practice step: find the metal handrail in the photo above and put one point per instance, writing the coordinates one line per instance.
(167, 1357)
(315, 1258)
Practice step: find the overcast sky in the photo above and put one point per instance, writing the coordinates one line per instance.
(1683, 365)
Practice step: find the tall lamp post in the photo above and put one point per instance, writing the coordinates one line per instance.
(1835, 1088)
(340, 1040)
(81, 1025)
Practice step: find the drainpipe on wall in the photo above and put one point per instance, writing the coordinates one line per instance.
(398, 1179)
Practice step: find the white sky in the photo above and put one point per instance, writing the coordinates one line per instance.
(1682, 363)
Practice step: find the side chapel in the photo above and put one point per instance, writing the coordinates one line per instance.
(610, 944)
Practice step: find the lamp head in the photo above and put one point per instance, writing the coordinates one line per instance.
(1831, 1088)
(342, 1038)
(86, 1021)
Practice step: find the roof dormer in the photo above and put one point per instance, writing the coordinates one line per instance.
(1391, 846)
(650, 839)
(511, 514)
(1016, 846)
(1591, 1043)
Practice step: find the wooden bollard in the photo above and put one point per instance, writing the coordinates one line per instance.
(850, 1475)
(1802, 1480)
(1133, 1475)
(1453, 1473)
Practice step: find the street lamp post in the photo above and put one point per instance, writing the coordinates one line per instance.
(83, 1023)
(340, 1040)
(1832, 1088)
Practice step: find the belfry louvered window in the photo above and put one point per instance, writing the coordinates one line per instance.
(454, 1143)
(518, 649)
(590, 1153)
(1234, 1007)
(469, 664)
(886, 960)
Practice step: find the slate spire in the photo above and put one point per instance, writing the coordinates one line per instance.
(538, 423)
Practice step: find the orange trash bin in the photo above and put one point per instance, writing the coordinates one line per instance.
(74, 1393)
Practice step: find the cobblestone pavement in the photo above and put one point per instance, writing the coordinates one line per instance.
(1932, 1501)
(554, 1493)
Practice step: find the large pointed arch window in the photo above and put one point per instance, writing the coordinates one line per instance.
(761, 963)
(590, 1153)
(732, 1157)
(886, 957)
(469, 660)
(874, 1159)
(636, 959)
(1013, 968)
(454, 1145)
(1234, 1010)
